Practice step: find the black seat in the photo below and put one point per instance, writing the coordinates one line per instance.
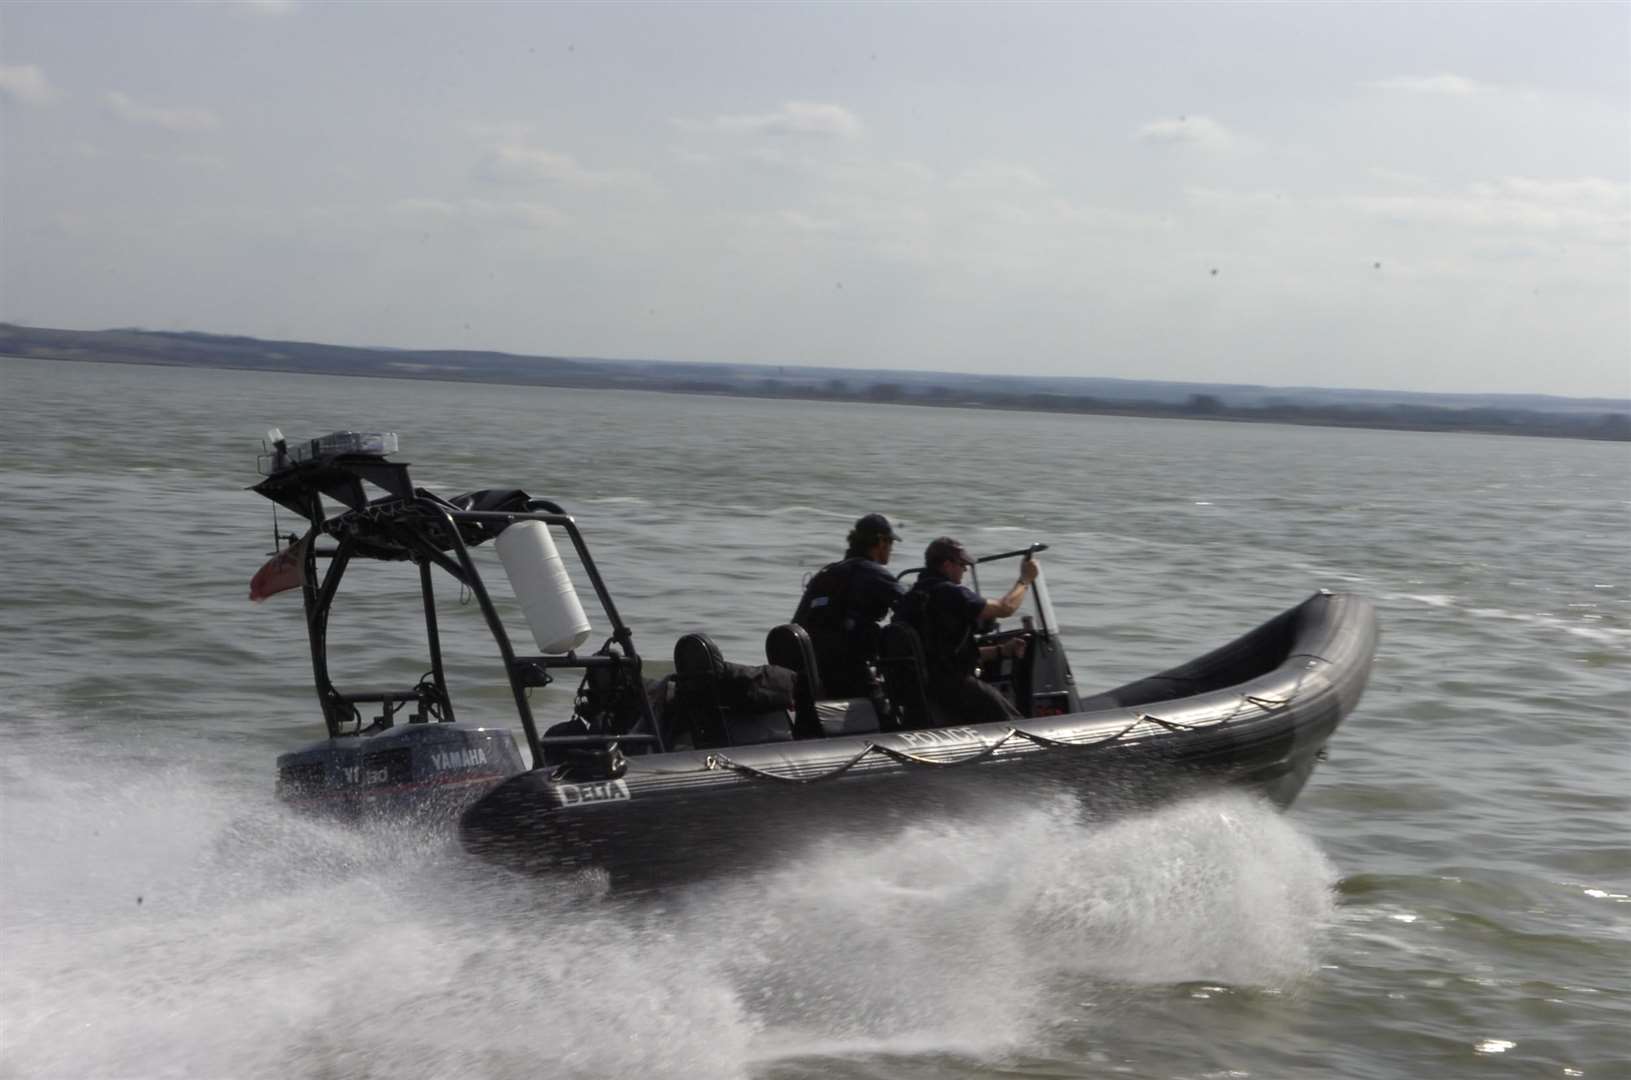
(789, 646)
(818, 714)
(725, 704)
(698, 668)
(900, 657)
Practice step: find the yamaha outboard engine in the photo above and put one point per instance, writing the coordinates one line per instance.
(419, 768)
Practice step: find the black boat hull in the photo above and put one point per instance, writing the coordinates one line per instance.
(1255, 714)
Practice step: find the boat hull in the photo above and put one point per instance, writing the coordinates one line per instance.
(1258, 716)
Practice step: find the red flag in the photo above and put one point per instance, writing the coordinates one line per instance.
(285, 570)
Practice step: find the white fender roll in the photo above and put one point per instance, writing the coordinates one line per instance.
(538, 577)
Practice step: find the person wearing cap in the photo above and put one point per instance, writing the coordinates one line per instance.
(843, 604)
(946, 615)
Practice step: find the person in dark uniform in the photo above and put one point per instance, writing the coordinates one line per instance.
(843, 605)
(946, 614)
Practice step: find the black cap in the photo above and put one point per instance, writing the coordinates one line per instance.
(945, 548)
(876, 525)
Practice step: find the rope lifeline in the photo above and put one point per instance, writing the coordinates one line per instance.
(721, 761)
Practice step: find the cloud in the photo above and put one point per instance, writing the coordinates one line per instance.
(203, 162)
(696, 158)
(257, 8)
(1006, 217)
(802, 222)
(1445, 85)
(796, 118)
(1588, 207)
(525, 214)
(26, 84)
(500, 131)
(1187, 131)
(999, 176)
(1395, 178)
(1586, 192)
(185, 118)
(71, 223)
(1592, 209)
(518, 163)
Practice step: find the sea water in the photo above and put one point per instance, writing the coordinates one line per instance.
(1450, 896)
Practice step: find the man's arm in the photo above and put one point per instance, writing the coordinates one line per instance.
(1001, 609)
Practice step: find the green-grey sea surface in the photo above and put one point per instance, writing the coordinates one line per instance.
(1451, 895)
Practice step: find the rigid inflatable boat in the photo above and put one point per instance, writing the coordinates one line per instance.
(707, 769)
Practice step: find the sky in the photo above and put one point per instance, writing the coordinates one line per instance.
(1392, 196)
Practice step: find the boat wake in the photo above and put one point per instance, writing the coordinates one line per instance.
(168, 924)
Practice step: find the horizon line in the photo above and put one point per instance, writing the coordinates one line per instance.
(1618, 401)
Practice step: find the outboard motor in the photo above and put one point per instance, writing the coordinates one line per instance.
(418, 767)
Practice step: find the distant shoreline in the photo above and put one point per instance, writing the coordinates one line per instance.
(1006, 393)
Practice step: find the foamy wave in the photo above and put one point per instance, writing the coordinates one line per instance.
(1325, 573)
(956, 935)
(212, 935)
(1602, 635)
(800, 510)
(1438, 600)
